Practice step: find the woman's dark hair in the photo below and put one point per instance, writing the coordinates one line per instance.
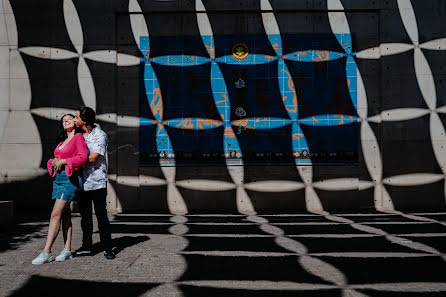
(87, 115)
(62, 133)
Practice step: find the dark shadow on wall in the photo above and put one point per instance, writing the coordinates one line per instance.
(119, 89)
(195, 135)
(267, 152)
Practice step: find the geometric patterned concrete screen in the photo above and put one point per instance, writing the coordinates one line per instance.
(252, 100)
(57, 56)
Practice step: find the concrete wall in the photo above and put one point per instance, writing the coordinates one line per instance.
(57, 55)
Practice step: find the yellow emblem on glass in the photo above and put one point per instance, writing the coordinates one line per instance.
(240, 51)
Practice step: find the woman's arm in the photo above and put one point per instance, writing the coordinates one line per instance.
(51, 164)
(51, 169)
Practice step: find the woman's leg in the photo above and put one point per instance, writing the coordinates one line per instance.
(53, 229)
(67, 229)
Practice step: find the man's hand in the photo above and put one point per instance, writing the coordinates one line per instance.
(59, 163)
(92, 158)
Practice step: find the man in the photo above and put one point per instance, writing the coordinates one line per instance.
(94, 177)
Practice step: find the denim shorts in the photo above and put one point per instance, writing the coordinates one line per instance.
(67, 187)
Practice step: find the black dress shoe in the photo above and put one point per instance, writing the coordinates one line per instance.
(109, 255)
(83, 251)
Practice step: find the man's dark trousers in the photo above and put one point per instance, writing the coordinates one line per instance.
(98, 197)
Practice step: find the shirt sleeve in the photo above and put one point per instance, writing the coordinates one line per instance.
(100, 144)
(50, 167)
(79, 159)
(49, 164)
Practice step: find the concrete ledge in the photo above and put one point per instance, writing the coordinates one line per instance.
(6, 212)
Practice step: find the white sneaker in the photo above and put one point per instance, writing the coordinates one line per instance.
(64, 255)
(43, 257)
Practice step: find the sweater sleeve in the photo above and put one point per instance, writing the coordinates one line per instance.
(80, 158)
(50, 167)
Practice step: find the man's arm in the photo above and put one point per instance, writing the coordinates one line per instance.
(92, 157)
(99, 148)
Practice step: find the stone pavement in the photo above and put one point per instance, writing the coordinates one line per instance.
(380, 254)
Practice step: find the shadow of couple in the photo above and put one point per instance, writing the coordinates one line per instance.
(119, 244)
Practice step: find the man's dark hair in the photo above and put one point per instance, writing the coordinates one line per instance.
(87, 115)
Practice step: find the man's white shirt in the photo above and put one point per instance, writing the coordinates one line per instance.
(94, 175)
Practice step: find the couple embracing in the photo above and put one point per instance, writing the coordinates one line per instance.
(79, 171)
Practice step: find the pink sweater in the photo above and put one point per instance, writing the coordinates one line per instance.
(74, 152)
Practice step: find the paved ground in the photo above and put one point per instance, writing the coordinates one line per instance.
(235, 255)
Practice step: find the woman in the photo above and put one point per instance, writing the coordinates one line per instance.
(69, 156)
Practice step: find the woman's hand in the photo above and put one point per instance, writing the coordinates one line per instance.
(54, 162)
(58, 164)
